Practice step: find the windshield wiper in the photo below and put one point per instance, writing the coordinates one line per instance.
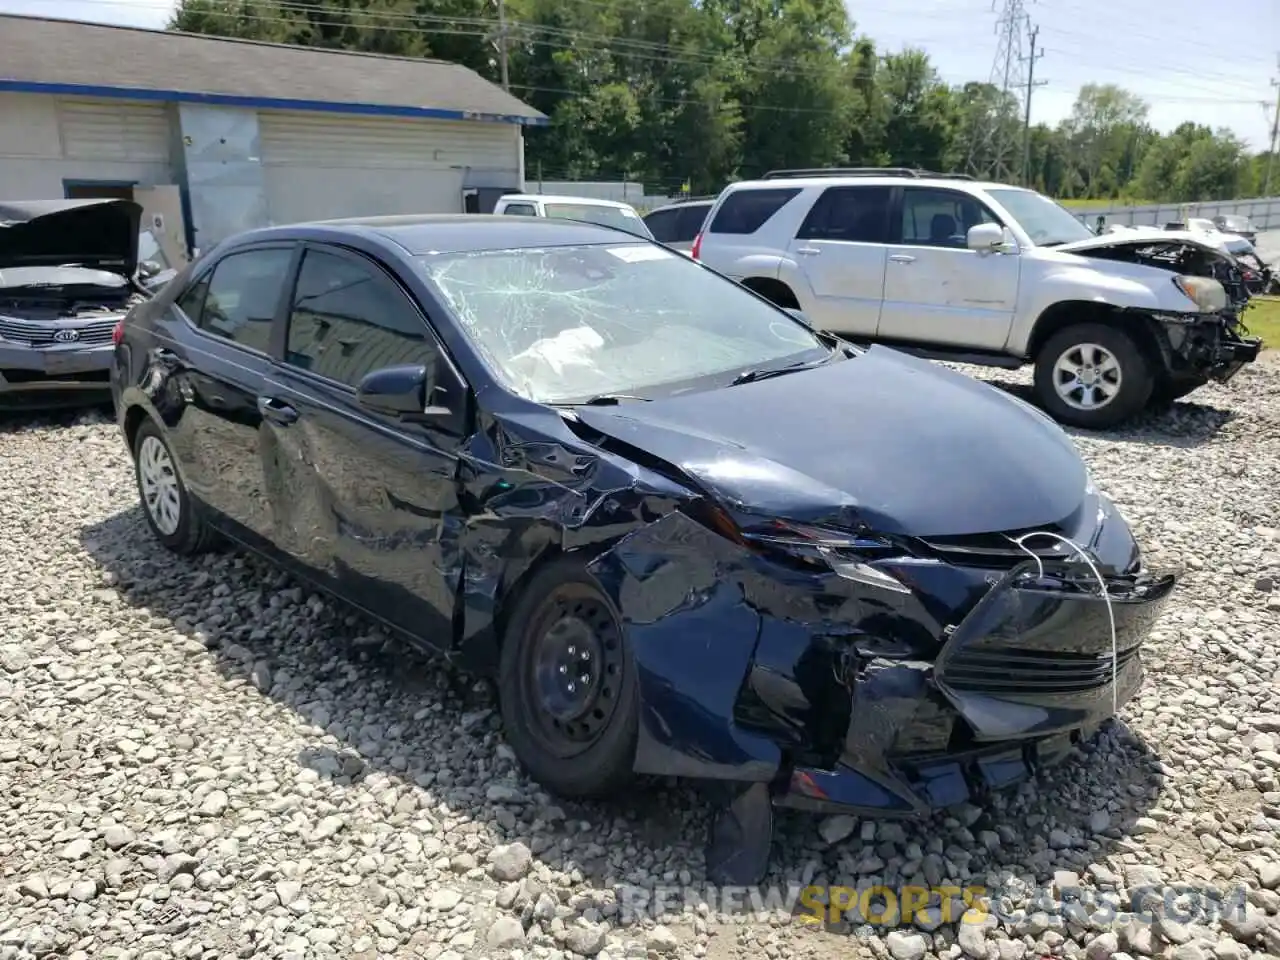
(606, 400)
(751, 376)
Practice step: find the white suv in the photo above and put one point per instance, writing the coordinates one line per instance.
(955, 269)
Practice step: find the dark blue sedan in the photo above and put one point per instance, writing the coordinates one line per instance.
(684, 533)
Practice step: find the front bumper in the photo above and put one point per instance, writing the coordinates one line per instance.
(751, 672)
(53, 376)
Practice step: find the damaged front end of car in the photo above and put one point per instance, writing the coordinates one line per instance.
(1201, 334)
(801, 648)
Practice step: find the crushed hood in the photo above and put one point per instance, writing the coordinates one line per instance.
(884, 439)
(1138, 237)
(99, 234)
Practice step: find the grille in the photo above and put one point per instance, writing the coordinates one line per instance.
(997, 549)
(1003, 670)
(36, 334)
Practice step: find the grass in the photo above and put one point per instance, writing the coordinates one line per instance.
(1263, 320)
(1104, 202)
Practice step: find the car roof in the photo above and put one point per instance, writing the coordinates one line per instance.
(685, 204)
(564, 198)
(873, 181)
(420, 234)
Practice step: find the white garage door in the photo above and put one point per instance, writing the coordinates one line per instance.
(105, 130)
(320, 166)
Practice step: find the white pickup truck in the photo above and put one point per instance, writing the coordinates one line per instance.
(952, 268)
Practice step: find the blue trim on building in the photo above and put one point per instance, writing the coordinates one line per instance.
(267, 103)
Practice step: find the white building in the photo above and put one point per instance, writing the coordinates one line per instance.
(226, 135)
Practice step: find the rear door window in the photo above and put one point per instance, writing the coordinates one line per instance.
(242, 297)
(852, 214)
(520, 210)
(692, 218)
(663, 224)
(746, 211)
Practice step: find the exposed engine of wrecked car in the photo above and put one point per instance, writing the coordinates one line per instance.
(1186, 259)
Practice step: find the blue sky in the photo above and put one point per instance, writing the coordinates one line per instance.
(1185, 64)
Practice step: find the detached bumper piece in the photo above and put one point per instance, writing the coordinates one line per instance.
(1027, 674)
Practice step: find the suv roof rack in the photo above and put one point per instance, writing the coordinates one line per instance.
(702, 199)
(861, 172)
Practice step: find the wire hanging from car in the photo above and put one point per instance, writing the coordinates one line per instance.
(1102, 585)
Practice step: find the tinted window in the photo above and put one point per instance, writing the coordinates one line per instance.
(746, 211)
(520, 210)
(856, 214)
(940, 218)
(692, 218)
(663, 225)
(348, 318)
(192, 301)
(243, 294)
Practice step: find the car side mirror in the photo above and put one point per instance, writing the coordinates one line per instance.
(419, 393)
(985, 237)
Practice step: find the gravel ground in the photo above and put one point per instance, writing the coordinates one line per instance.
(206, 760)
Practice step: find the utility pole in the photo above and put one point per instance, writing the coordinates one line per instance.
(502, 44)
(1275, 129)
(1031, 59)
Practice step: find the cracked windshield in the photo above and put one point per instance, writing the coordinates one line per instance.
(565, 324)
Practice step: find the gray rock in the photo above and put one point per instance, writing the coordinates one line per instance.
(510, 862)
(836, 828)
(214, 803)
(176, 864)
(1103, 946)
(906, 946)
(326, 828)
(586, 939)
(34, 886)
(116, 837)
(505, 933)
(77, 849)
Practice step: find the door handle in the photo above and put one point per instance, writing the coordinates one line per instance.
(808, 251)
(902, 258)
(276, 410)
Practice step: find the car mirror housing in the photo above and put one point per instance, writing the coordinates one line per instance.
(985, 237)
(424, 393)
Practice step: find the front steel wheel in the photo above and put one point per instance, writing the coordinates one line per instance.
(567, 685)
(1087, 376)
(1092, 375)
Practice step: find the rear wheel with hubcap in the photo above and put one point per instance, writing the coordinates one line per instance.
(169, 510)
(1092, 375)
(567, 685)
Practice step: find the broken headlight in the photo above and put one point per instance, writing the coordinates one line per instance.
(1208, 295)
(810, 547)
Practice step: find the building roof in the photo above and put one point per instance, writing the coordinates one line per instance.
(73, 58)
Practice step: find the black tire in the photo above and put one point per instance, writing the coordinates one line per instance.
(191, 535)
(1135, 377)
(593, 756)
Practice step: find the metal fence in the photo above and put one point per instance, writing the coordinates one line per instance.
(1264, 212)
